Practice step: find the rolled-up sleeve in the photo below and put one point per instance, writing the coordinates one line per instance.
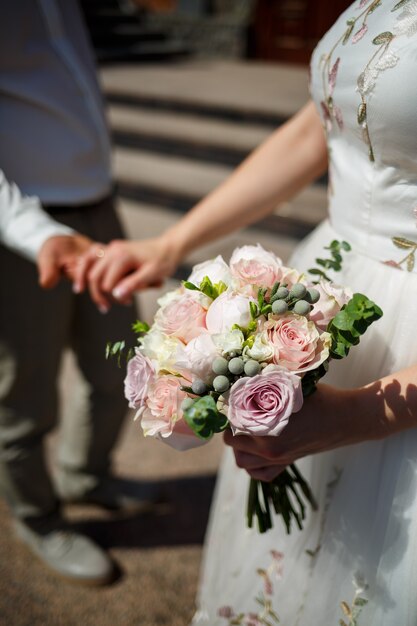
(24, 225)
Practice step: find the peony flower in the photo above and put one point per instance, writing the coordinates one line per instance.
(228, 309)
(162, 416)
(183, 316)
(297, 344)
(289, 276)
(252, 265)
(199, 355)
(164, 351)
(140, 374)
(332, 298)
(262, 405)
(216, 269)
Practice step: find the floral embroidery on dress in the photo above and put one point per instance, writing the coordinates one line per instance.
(353, 610)
(266, 615)
(410, 258)
(382, 59)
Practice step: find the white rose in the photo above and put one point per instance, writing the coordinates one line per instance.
(216, 269)
(261, 350)
(229, 342)
(164, 351)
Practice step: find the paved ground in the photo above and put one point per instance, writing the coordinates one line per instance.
(158, 552)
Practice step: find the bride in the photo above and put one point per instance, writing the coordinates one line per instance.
(355, 561)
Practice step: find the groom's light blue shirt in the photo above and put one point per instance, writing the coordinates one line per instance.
(54, 142)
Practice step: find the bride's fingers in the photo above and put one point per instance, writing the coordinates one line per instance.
(266, 474)
(116, 271)
(145, 276)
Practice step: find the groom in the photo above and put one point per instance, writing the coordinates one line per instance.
(54, 145)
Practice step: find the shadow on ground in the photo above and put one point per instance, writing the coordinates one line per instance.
(178, 518)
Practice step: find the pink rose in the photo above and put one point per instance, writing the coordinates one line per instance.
(252, 265)
(140, 374)
(332, 298)
(162, 416)
(262, 405)
(183, 316)
(298, 345)
(228, 309)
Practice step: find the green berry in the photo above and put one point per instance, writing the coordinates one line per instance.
(282, 293)
(302, 307)
(252, 368)
(221, 384)
(312, 296)
(187, 403)
(236, 366)
(298, 290)
(220, 365)
(232, 354)
(279, 307)
(199, 387)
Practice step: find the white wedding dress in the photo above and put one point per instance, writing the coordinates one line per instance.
(356, 559)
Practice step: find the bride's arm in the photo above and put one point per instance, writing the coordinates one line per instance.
(332, 418)
(292, 157)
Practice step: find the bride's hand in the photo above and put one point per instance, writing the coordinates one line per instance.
(330, 418)
(117, 270)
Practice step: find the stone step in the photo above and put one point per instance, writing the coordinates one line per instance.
(237, 90)
(141, 52)
(186, 135)
(179, 183)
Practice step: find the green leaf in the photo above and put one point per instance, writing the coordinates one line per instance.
(206, 287)
(360, 601)
(117, 347)
(383, 38)
(140, 327)
(410, 262)
(190, 286)
(253, 310)
(220, 287)
(274, 289)
(362, 113)
(204, 418)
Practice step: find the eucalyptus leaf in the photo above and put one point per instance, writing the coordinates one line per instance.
(204, 418)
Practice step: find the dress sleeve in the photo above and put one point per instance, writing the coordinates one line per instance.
(24, 225)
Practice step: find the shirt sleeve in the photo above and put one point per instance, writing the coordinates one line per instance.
(24, 225)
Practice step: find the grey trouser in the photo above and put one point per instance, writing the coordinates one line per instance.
(35, 327)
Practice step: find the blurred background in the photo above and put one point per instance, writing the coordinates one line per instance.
(191, 86)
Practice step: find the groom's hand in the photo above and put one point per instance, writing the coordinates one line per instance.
(59, 256)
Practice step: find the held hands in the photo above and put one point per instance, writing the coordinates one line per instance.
(117, 270)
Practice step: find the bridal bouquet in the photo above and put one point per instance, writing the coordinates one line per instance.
(240, 346)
